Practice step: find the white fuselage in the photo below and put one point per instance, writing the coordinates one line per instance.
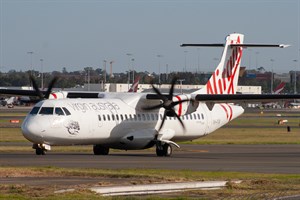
(116, 123)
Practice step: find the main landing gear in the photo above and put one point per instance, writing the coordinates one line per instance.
(163, 149)
(100, 150)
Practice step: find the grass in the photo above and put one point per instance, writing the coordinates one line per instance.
(257, 185)
(11, 135)
(264, 130)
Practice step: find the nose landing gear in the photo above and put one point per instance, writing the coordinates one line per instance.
(40, 149)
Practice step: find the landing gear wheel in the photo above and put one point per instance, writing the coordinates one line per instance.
(39, 151)
(167, 150)
(164, 150)
(100, 150)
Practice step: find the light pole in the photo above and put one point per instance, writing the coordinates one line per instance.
(132, 65)
(295, 78)
(42, 73)
(272, 61)
(128, 81)
(198, 59)
(185, 52)
(104, 74)
(88, 78)
(31, 68)
(181, 80)
(159, 80)
(256, 59)
(167, 71)
(249, 63)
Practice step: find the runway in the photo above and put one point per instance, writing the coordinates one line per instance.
(235, 158)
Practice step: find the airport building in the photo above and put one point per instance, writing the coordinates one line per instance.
(124, 87)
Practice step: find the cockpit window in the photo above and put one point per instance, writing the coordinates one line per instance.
(46, 111)
(66, 111)
(35, 110)
(59, 111)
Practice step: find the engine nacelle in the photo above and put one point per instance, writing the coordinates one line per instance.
(58, 95)
(186, 107)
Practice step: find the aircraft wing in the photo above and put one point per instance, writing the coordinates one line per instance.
(69, 94)
(19, 92)
(234, 98)
(245, 98)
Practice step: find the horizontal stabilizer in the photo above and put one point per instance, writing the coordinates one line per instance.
(260, 45)
(236, 45)
(203, 45)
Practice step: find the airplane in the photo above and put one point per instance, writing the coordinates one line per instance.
(9, 102)
(277, 90)
(135, 85)
(131, 121)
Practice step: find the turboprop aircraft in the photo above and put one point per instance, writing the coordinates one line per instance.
(131, 121)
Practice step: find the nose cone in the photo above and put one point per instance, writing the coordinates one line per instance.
(31, 130)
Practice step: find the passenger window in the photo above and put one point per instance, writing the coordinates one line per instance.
(117, 117)
(59, 111)
(99, 117)
(46, 111)
(202, 115)
(113, 117)
(66, 111)
(198, 116)
(152, 116)
(34, 110)
(143, 117)
(126, 117)
(108, 117)
(122, 117)
(104, 119)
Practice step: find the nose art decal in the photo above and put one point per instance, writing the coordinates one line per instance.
(73, 127)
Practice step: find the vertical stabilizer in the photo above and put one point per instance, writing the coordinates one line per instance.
(224, 79)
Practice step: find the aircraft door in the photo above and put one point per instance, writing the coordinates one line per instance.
(206, 116)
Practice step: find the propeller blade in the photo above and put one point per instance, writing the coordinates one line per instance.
(163, 120)
(181, 122)
(179, 102)
(172, 88)
(158, 93)
(50, 86)
(36, 88)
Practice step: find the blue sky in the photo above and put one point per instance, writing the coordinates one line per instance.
(82, 33)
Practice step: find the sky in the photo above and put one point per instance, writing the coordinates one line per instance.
(83, 33)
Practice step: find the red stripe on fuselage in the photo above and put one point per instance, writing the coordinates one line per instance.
(180, 106)
(225, 109)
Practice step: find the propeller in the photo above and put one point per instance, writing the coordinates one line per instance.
(167, 103)
(39, 92)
